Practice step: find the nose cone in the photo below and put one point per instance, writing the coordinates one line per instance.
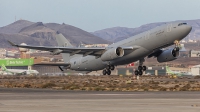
(188, 28)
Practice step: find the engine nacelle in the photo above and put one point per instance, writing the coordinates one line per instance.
(23, 49)
(168, 55)
(112, 54)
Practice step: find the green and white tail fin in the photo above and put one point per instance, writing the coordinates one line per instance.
(168, 70)
(63, 42)
(3, 67)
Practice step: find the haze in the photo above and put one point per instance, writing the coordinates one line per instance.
(92, 15)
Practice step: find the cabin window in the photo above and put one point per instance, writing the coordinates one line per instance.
(182, 24)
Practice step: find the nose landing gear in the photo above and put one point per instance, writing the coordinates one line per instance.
(177, 45)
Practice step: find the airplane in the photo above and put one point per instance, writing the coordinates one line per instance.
(6, 71)
(177, 73)
(147, 44)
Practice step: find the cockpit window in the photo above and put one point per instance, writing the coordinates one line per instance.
(182, 24)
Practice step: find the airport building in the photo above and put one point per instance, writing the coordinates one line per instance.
(150, 70)
(194, 53)
(195, 70)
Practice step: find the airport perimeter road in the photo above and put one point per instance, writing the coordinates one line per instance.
(40, 100)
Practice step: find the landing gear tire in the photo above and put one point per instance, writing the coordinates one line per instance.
(144, 68)
(140, 72)
(104, 72)
(136, 72)
(112, 67)
(108, 72)
(140, 68)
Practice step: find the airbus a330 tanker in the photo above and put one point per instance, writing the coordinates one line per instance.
(138, 47)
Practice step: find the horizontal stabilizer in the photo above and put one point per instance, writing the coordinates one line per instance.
(11, 43)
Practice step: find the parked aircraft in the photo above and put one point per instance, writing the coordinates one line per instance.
(6, 71)
(147, 44)
(177, 73)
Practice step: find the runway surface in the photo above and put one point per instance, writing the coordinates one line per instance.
(43, 100)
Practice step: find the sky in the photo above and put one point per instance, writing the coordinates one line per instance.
(93, 15)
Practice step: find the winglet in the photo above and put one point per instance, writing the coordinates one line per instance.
(11, 43)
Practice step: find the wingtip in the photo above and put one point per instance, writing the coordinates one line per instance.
(11, 43)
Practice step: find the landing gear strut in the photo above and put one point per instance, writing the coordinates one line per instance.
(108, 69)
(141, 68)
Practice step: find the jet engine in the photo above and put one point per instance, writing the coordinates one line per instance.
(168, 55)
(23, 49)
(113, 53)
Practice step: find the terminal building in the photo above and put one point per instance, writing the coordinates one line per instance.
(194, 53)
(150, 70)
(195, 70)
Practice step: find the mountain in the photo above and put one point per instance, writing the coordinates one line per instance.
(38, 33)
(111, 34)
(76, 35)
(119, 33)
(15, 27)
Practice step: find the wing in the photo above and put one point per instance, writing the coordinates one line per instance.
(52, 64)
(72, 50)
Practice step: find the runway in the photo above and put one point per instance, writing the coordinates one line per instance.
(44, 100)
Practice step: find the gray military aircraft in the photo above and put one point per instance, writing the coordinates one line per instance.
(147, 44)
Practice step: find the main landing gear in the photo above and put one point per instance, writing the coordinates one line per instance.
(108, 69)
(141, 68)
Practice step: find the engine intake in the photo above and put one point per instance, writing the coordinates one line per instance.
(113, 53)
(168, 55)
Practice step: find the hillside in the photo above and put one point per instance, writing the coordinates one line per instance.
(15, 27)
(119, 33)
(76, 35)
(23, 31)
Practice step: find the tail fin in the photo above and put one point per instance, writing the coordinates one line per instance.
(3, 67)
(63, 42)
(168, 70)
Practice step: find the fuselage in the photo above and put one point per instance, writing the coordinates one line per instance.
(156, 38)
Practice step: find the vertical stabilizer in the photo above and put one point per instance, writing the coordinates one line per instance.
(168, 70)
(63, 42)
(3, 67)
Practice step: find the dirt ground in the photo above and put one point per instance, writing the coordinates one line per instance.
(103, 83)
